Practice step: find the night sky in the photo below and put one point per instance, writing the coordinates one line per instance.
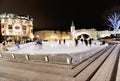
(58, 14)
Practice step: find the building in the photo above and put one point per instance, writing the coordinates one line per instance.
(79, 33)
(91, 33)
(52, 35)
(16, 27)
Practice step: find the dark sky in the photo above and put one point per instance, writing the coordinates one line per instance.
(58, 14)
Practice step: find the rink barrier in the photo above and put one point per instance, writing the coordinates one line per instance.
(51, 58)
(56, 58)
(20, 57)
(46, 58)
(42, 58)
(60, 59)
(27, 57)
(7, 56)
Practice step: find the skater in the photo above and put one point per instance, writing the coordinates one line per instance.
(59, 41)
(90, 41)
(64, 41)
(17, 44)
(82, 41)
(76, 42)
(39, 42)
(86, 42)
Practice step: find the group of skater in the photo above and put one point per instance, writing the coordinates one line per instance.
(85, 41)
(60, 41)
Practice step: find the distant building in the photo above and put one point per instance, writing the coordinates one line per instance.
(15, 27)
(79, 33)
(91, 33)
(52, 35)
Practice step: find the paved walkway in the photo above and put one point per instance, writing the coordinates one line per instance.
(16, 71)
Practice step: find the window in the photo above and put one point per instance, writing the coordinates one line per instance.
(17, 27)
(24, 27)
(9, 26)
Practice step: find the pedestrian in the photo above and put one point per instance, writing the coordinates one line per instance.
(64, 41)
(4, 43)
(76, 42)
(39, 42)
(17, 44)
(90, 41)
(82, 41)
(86, 42)
(59, 41)
(36, 42)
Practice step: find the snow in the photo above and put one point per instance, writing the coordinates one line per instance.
(53, 47)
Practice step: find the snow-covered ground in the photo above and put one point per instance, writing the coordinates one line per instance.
(53, 47)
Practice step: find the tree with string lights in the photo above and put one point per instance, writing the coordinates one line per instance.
(113, 19)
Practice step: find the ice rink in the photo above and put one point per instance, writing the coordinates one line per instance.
(53, 47)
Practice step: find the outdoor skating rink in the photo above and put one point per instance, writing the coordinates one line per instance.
(53, 47)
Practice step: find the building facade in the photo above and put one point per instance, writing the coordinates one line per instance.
(92, 33)
(52, 35)
(16, 27)
(79, 33)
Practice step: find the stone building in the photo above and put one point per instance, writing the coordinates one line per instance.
(91, 33)
(52, 35)
(15, 27)
(79, 33)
